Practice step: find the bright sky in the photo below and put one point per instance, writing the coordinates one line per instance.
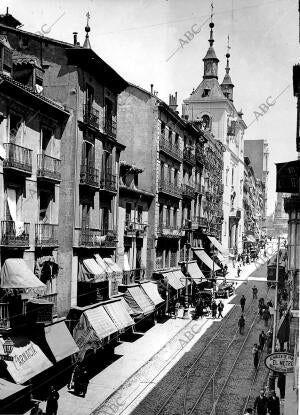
(138, 37)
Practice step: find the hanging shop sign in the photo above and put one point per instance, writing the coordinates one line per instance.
(280, 362)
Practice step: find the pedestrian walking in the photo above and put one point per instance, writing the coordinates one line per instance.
(281, 385)
(52, 401)
(273, 404)
(81, 382)
(243, 302)
(255, 355)
(254, 292)
(261, 404)
(269, 340)
(220, 309)
(262, 339)
(266, 316)
(177, 306)
(241, 324)
(247, 259)
(233, 261)
(214, 309)
(249, 411)
(238, 271)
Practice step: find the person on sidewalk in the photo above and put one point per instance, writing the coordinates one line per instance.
(241, 324)
(262, 339)
(220, 309)
(269, 340)
(281, 385)
(214, 309)
(255, 355)
(273, 404)
(84, 381)
(266, 316)
(254, 292)
(243, 302)
(238, 271)
(176, 308)
(261, 404)
(52, 402)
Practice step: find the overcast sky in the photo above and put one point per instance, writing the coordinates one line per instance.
(138, 39)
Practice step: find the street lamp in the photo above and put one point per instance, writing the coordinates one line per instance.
(8, 346)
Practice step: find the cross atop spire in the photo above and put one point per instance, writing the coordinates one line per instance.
(87, 29)
(211, 11)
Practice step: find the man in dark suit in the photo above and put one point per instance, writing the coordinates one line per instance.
(261, 404)
(274, 404)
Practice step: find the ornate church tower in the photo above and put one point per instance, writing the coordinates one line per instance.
(227, 85)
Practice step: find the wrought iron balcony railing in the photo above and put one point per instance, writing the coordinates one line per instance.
(110, 126)
(168, 231)
(91, 115)
(46, 234)
(48, 167)
(169, 148)
(188, 191)
(132, 227)
(14, 234)
(133, 276)
(17, 158)
(89, 176)
(105, 238)
(4, 316)
(189, 157)
(169, 188)
(108, 182)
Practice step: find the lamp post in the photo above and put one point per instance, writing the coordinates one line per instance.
(8, 346)
(187, 246)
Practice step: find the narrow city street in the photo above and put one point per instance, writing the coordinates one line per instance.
(211, 351)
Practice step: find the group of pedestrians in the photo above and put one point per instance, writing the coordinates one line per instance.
(264, 404)
(79, 380)
(264, 310)
(52, 404)
(217, 308)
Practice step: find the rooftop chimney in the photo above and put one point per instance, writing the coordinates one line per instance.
(75, 38)
(173, 101)
(151, 86)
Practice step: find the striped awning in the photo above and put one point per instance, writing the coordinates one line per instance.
(138, 301)
(176, 279)
(151, 290)
(195, 272)
(217, 244)
(202, 255)
(91, 271)
(112, 265)
(119, 315)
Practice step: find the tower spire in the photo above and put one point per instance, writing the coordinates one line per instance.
(227, 85)
(210, 60)
(87, 29)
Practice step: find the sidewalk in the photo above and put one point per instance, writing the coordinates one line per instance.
(134, 355)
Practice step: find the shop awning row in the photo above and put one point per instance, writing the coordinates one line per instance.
(195, 272)
(96, 325)
(176, 279)
(139, 301)
(202, 255)
(151, 290)
(217, 244)
(15, 274)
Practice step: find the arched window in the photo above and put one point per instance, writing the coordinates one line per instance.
(205, 122)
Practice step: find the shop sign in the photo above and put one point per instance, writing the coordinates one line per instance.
(280, 362)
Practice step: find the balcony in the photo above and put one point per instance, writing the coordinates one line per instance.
(200, 157)
(52, 298)
(91, 116)
(189, 157)
(169, 189)
(46, 234)
(108, 182)
(135, 228)
(133, 276)
(170, 149)
(89, 176)
(188, 191)
(14, 234)
(17, 158)
(4, 317)
(168, 231)
(48, 168)
(98, 238)
(110, 127)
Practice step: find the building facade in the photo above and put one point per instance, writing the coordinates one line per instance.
(87, 89)
(280, 226)
(211, 103)
(258, 153)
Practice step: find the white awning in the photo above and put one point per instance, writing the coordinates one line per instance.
(102, 264)
(202, 255)
(176, 279)
(151, 290)
(15, 274)
(195, 272)
(119, 315)
(91, 271)
(112, 265)
(217, 244)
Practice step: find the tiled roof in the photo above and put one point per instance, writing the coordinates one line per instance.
(215, 91)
